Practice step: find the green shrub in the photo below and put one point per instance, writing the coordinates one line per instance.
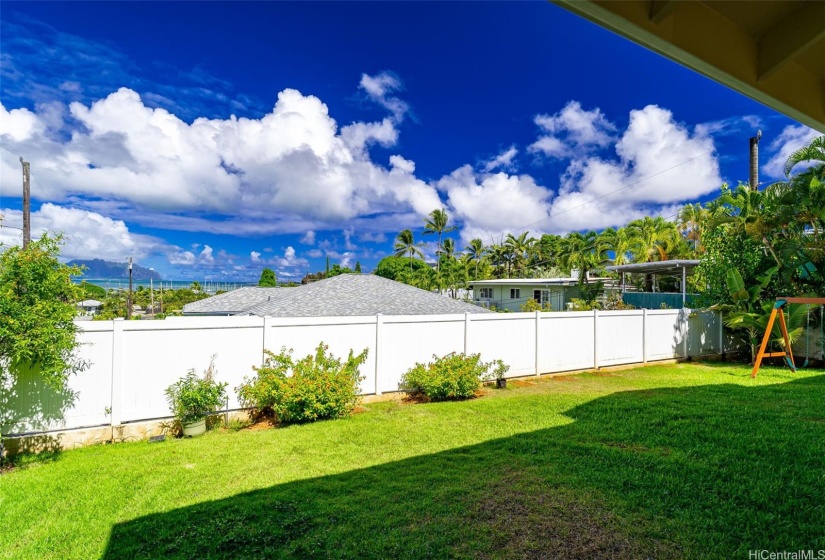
(313, 388)
(455, 376)
(193, 398)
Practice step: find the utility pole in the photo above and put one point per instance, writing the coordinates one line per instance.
(27, 226)
(152, 295)
(129, 299)
(754, 161)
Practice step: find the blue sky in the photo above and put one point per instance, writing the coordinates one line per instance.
(211, 140)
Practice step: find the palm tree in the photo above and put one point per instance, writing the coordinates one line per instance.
(437, 223)
(518, 248)
(448, 249)
(405, 245)
(813, 152)
(620, 242)
(651, 238)
(691, 222)
(476, 250)
(498, 254)
(582, 252)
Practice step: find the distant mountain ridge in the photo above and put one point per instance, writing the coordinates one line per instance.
(98, 268)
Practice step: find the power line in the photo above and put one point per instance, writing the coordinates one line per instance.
(523, 228)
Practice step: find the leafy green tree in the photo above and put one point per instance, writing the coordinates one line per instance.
(652, 237)
(268, 278)
(92, 291)
(393, 267)
(37, 307)
(338, 269)
(620, 242)
(405, 245)
(358, 267)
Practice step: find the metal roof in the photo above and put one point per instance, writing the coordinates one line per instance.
(529, 282)
(233, 302)
(359, 294)
(89, 303)
(656, 267)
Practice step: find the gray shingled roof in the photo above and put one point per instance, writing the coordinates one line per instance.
(359, 294)
(231, 303)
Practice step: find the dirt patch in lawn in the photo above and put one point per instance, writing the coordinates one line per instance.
(521, 383)
(562, 378)
(528, 518)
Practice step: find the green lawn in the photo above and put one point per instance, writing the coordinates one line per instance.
(675, 461)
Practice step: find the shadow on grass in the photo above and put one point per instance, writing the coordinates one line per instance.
(710, 471)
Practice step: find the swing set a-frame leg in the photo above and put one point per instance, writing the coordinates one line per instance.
(783, 327)
(765, 339)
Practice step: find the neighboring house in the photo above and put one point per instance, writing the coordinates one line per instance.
(89, 307)
(665, 283)
(234, 302)
(358, 294)
(512, 293)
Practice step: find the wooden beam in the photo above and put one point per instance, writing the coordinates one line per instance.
(790, 37)
(808, 300)
(660, 10)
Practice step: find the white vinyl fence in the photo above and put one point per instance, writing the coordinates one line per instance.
(131, 363)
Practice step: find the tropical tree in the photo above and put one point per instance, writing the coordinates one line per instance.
(405, 245)
(518, 248)
(437, 223)
(582, 252)
(477, 252)
(619, 242)
(690, 222)
(812, 153)
(268, 278)
(651, 238)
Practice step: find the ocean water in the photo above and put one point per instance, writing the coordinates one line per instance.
(123, 284)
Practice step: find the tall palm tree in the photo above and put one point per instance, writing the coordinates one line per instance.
(448, 248)
(437, 223)
(518, 248)
(405, 245)
(498, 255)
(477, 251)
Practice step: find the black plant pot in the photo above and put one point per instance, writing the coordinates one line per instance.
(501, 383)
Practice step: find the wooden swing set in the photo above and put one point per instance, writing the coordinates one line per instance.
(778, 310)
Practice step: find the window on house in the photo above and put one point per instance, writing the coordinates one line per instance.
(486, 293)
(515, 293)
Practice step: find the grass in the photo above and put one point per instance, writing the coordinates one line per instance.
(676, 461)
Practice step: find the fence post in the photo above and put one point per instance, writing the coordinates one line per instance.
(686, 321)
(466, 332)
(644, 335)
(538, 318)
(117, 373)
(721, 334)
(379, 326)
(595, 339)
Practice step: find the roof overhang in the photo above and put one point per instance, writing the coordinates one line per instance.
(657, 267)
(773, 51)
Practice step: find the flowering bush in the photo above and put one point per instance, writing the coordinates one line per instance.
(313, 388)
(454, 376)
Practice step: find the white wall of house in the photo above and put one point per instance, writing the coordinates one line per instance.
(513, 296)
(130, 363)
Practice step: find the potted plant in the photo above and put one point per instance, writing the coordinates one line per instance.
(192, 399)
(499, 369)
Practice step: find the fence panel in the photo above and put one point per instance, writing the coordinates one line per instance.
(407, 339)
(620, 337)
(157, 353)
(664, 334)
(566, 341)
(340, 334)
(509, 337)
(704, 333)
(27, 404)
